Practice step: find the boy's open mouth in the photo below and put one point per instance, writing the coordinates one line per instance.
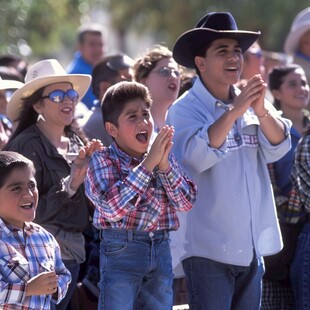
(27, 206)
(142, 136)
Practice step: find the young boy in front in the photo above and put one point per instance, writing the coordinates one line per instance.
(32, 273)
(136, 189)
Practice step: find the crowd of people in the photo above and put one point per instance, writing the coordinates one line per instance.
(174, 177)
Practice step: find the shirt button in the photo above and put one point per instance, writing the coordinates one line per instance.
(151, 234)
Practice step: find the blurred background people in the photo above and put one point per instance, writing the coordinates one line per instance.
(16, 62)
(109, 71)
(157, 70)
(297, 42)
(253, 62)
(7, 87)
(299, 273)
(290, 89)
(44, 109)
(91, 47)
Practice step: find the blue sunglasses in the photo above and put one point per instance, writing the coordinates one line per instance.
(58, 96)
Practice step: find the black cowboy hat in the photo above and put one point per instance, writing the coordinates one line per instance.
(215, 25)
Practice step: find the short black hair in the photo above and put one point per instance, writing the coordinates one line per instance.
(11, 160)
(103, 71)
(117, 97)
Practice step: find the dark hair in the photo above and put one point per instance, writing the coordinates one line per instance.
(117, 97)
(10, 73)
(275, 79)
(15, 61)
(102, 72)
(145, 64)
(201, 52)
(10, 161)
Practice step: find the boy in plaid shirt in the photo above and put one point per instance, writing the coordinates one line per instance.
(136, 189)
(32, 273)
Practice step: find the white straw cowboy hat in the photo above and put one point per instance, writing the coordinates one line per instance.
(41, 74)
(10, 84)
(300, 25)
(215, 25)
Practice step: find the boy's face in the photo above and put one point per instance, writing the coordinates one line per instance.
(222, 64)
(134, 128)
(19, 197)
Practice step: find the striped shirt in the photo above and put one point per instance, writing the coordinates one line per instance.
(127, 196)
(25, 253)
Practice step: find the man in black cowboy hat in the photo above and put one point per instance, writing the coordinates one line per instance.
(224, 138)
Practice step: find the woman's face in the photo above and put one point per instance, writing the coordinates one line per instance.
(304, 44)
(163, 82)
(61, 112)
(294, 90)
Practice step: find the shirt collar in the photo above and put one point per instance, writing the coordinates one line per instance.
(124, 156)
(202, 93)
(28, 229)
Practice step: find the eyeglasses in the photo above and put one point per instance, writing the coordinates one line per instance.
(166, 71)
(58, 96)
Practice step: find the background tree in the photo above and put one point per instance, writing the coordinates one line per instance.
(41, 29)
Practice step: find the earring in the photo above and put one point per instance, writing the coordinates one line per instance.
(40, 117)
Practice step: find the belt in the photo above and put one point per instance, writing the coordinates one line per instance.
(135, 234)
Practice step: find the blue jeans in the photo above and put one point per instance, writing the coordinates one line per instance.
(135, 270)
(214, 285)
(300, 270)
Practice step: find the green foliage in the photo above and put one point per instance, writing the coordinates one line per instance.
(35, 28)
(166, 20)
(40, 29)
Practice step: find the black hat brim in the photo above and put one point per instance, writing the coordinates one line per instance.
(189, 42)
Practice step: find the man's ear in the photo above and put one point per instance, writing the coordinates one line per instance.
(200, 63)
(111, 129)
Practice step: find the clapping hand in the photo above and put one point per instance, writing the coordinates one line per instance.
(80, 164)
(160, 149)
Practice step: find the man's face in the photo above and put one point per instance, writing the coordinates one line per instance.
(222, 64)
(92, 48)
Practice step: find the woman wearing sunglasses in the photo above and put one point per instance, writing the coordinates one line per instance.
(161, 74)
(43, 111)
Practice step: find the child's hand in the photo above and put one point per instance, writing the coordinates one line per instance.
(158, 154)
(164, 163)
(79, 166)
(44, 283)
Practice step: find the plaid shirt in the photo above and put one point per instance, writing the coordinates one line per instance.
(301, 176)
(127, 196)
(25, 253)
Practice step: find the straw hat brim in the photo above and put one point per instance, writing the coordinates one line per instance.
(80, 82)
(189, 42)
(293, 38)
(10, 84)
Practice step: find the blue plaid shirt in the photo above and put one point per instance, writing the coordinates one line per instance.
(127, 196)
(25, 253)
